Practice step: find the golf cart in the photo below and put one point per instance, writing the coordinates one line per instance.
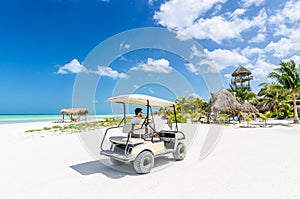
(140, 144)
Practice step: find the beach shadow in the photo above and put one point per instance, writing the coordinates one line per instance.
(116, 172)
(273, 124)
(95, 167)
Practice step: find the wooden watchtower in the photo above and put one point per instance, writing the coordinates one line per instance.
(241, 77)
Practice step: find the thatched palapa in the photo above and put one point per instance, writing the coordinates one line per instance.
(223, 101)
(248, 107)
(74, 111)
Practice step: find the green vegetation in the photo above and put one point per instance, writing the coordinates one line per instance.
(186, 108)
(243, 93)
(287, 78)
(266, 116)
(273, 100)
(76, 128)
(248, 119)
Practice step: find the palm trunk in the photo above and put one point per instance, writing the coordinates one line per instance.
(296, 118)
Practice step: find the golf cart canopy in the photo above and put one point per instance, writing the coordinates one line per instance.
(142, 100)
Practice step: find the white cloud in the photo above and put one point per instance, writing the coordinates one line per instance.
(286, 45)
(150, 2)
(223, 58)
(291, 10)
(196, 53)
(213, 28)
(109, 72)
(258, 38)
(251, 52)
(159, 66)
(73, 67)
(124, 45)
(248, 3)
(228, 76)
(289, 14)
(177, 14)
(192, 68)
(107, 1)
(282, 30)
(296, 58)
(262, 68)
(214, 61)
(185, 18)
(217, 8)
(238, 12)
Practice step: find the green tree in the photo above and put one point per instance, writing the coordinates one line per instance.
(272, 96)
(190, 107)
(287, 77)
(248, 119)
(242, 93)
(285, 111)
(265, 116)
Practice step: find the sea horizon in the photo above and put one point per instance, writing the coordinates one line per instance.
(27, 118)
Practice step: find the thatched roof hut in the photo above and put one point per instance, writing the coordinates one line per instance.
(241, 70)
(248, 107)
(263, 107)
(74, 111)
(223, 101)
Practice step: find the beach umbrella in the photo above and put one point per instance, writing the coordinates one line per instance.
(248, 107)
(223, 101)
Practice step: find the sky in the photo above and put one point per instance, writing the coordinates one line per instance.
(45, 46)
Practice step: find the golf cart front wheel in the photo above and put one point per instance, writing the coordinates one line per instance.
(144, 162)
(180, 152)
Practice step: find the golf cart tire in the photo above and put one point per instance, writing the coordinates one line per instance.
(144, 162)
(180, 152)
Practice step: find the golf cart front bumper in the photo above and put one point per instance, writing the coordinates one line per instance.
(117, 156)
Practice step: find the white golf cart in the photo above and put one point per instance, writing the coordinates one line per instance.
(140, 144)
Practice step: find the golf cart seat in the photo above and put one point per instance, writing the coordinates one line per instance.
(123, 140)
(137, 134)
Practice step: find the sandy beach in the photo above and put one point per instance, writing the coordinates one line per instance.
(245, 163)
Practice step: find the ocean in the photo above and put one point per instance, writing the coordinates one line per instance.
(24, 118)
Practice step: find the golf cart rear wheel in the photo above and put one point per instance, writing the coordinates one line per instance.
(117, 150)
(144, 162)
(180, 152)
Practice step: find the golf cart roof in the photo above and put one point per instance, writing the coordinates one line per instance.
(139, 99)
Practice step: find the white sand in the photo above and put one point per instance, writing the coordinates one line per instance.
(246, 163)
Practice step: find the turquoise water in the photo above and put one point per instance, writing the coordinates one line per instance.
(13, 119)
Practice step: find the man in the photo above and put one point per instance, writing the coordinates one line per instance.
(137, 118)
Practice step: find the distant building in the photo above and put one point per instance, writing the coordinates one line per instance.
(241, 77)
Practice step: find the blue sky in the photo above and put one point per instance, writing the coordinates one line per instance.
(44, 45)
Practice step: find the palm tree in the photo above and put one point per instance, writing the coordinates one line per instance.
(288, 78)
(272, 96)
(242, 93)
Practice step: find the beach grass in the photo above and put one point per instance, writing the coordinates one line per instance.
(76, 127)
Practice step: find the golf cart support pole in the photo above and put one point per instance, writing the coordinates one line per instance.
(148, 109)
(174, 108)
(124, 112)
